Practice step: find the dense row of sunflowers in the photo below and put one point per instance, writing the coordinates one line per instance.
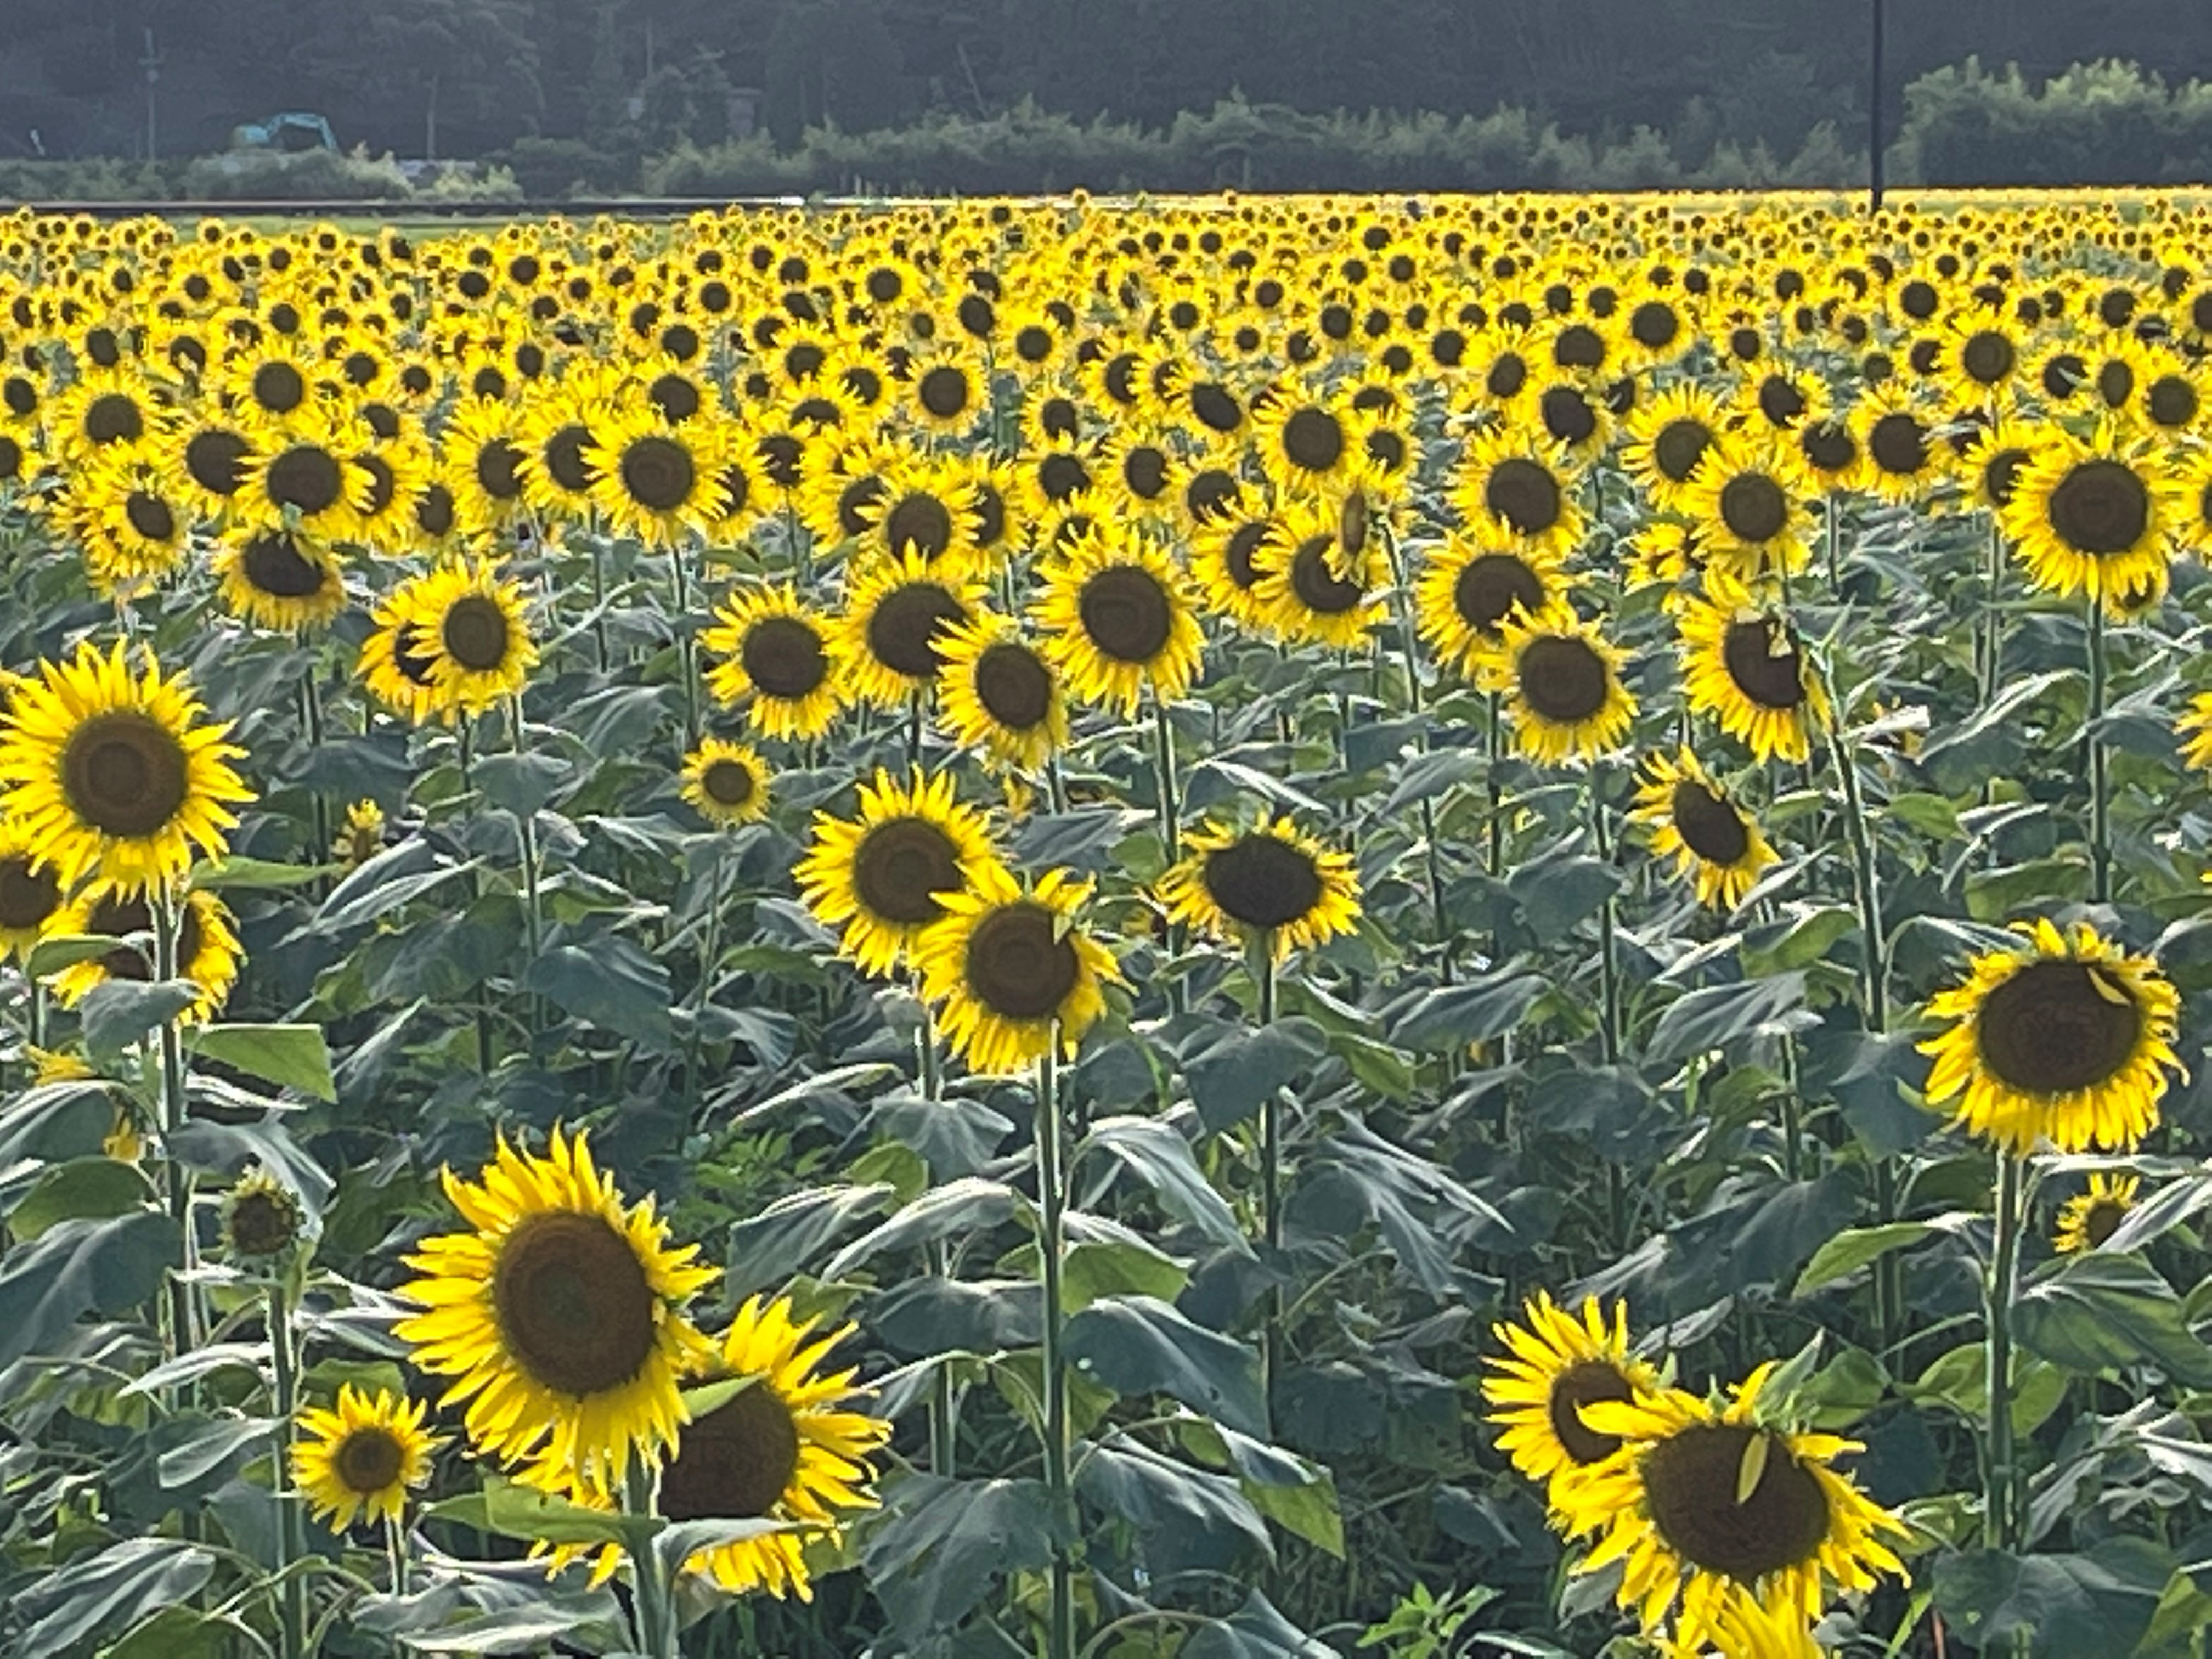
(1000, 486)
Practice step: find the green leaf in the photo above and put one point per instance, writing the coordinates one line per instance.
(1560, 888)
(592, 1621)
(514, 1510)
(382, 883)
(710, 1397)
(116, 1013)
(766, 1248)
(521, 783)
(178, 1632)
(79, 1267)
(54, 1122)
(1186, 1520)
(254, 873)
(2037, 885)
(112, 1590)
(1255, 1630)
(290, 1056)
(2089, 1313)
(2064, 1606)
(1297, 1495)
(1452, 1017)
(58, 950)
(1718, 1015)
(613, 985)
(1230, 1075)
(1378, 1067)
(1960, 1380)
(1139, 1345)
(1157, 1155)
(1798, 941)
(957, 1206)
(96, 1187)
(1119, 1267)
(1859, 1247)
(943, 1543)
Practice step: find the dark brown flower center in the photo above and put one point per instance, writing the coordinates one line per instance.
(563, 454)
(675, 395)
(475, 633)
(1567, 415)
(944, 392)
(2173, 401)
(1245, 544)
(1215, 407)
(279, 388)
(920, 522)
(657, 473)
(1061, 476)
(1988, 357)
(1563, 679)
(1314, 581)
(273, 563)
(28, 894)
(1653, 324)
(728, 782)
(1262, 882)
(1707, 824)
(114, 418)
(1762, 660)
(903, 630)
(2116, 383)
(1586, 1383)
(1524, 493)
(2055, 1026)
(1125, 613)
(573, 1305)
(1899, 444)
(1578, 346)
(1780, 402)
(1753, 507)
(434, 510)
(369, 1461)
(2102, 1220)
(217, 461)
(2100, 506)
(783, 657)
(734, 1463)
(2001, 474)
(124, 774)
(782, 455)
(259, 1221)
(306, 477)
(1681, 444)
(149, 515)
(1490, 588)
(1020, 964)
(1313, 438)
(1013, 686)
(1211, 493)
(1691, 1482)
(1829, 446)
(902, 866)
(499, 470)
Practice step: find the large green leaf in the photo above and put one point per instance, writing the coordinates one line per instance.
(2064, 1606)
(2091, 1312)
(1233, 1070)
(1139, 1345)
(1720, 1014)
(944, 1542)
(93, 1187)
(1856, 1247)
(613, 985)
(290, 1056)
(1157, 1155)
(116, 1013)
(108, 1593)
(1452, 1017)
(1186, 1520)
(79, 1267)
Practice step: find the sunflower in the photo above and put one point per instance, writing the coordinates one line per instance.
(786, 1447)
(277, 581)
(1561, 680)
(1668, 437)
(1692, 819)
(2092, 517)
(1305, 442)
(1227, 560)
(923, 509)
(560, 1316)
(726, 782)
(1982, 359)
(359, 1461)
(1272, 882)
(1995, 455)
(1465, 589)
(1515, 489)
(471, 624)
(946, 393)
(885, 875)
(654, 480)
(2089, 1219)
(133, 521)
(307, 480)
(481, 447)
(1015, 974)
(1001, 694)
(30, 890)
(1317, 583)
(360, 837)
(1747, 500)
(1711, 1507)
(1556, 1362)
(1116, 613)
(780, 655)
(399, 655)
(208, 953)
(1905, 459)
(1746, 670)
(114, 772)
(894, 617)
(2062, 1038)
(262, 1218)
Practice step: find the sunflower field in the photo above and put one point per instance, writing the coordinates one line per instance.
(1199, 928)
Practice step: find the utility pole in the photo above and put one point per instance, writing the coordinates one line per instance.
(151, 63)
(1874, 116)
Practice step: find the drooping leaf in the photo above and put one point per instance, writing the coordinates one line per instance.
(1138, 1344)
(79, 1267)
(944, 1542)
(613, 985)
(290, 1056)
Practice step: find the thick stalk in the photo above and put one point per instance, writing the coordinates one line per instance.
(1608, 1027)
(944, 1421)
(710, 956)
(183, 1299)
(1990, 644)
(1271, 1169)
(2101, 823)
(655, 1595)
(2000, 1524)
(525, 825)
(291, 1533)
(599, 599)
(1164, 780)
(1833, 516)
(1051, 1225)
(395, 1555)
(1415, 699)
(686, 647)
(311, 713)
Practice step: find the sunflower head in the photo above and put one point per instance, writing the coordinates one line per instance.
(358, 1461)
(2065, 1038)
(262, 1218)
(1272, 883)
(2089, 1218)
(1118, 614)
(1001, 694)
(883, 876)
(778, 658)
(1556, 1362)
(31, 890)
(1561, 680)
(1694, 821)
(726, 782)
(1017, 976)
(2092, 517)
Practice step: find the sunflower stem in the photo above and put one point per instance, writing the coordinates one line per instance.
(1262, 960)
(311, 715)
(1608, 1029)
(687, 646)
(183, 1311)
(1164, 761)
(2000, 1525)
(1832, 517)
(599, 600)
(710, 956)
(1989, 643)
(2100, 822)
(944, 1421)
(395, 1554)
(1051, 1225)
(291, 1533)
(655, 1599)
